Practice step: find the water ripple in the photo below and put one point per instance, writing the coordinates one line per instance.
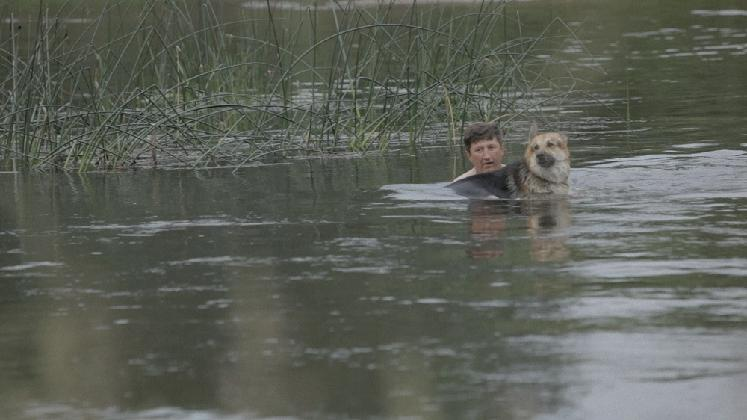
(31, 266)
(623, 269)
(726, 12)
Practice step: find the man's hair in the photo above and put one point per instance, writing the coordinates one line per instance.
(481, 131)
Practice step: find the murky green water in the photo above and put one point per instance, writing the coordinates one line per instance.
(360, 288)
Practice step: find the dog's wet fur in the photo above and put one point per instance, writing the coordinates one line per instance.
(544, 169)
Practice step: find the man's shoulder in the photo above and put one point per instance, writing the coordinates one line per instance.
(465, 175)
(470, 173)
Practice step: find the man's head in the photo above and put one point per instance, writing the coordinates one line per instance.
(484, 146)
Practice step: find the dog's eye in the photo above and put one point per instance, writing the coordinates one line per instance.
(536, 147)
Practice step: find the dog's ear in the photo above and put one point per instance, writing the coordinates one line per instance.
(532, 130)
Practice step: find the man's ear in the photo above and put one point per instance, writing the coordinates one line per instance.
(533, 130)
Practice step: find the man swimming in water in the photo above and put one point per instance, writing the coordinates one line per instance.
(484, 147)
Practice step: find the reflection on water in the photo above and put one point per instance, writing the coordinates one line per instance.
(487, 226)
(362, 288)
(546, 223)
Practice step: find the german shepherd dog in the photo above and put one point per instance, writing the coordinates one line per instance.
(544, 169)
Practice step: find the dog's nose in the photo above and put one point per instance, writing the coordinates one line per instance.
(544, 160)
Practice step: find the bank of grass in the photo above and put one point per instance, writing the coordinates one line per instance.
(177, 85)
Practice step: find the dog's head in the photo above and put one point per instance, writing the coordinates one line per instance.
(547, 156)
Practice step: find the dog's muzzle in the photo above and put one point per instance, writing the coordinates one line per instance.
(544, 160)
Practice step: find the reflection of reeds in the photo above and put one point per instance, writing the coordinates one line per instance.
(181, 87)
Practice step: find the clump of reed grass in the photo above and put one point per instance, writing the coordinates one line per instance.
(180, 86)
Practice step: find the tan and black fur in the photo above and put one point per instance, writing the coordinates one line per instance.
(544, 169)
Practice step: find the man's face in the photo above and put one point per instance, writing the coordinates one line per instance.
(486, 155)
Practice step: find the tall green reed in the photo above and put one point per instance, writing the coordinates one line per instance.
(179, 84)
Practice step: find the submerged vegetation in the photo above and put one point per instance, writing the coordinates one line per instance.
(174, 83)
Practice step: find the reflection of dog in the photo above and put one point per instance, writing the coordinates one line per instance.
(546, 221)
(543, 170)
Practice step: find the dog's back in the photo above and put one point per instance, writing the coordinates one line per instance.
(501, 183)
